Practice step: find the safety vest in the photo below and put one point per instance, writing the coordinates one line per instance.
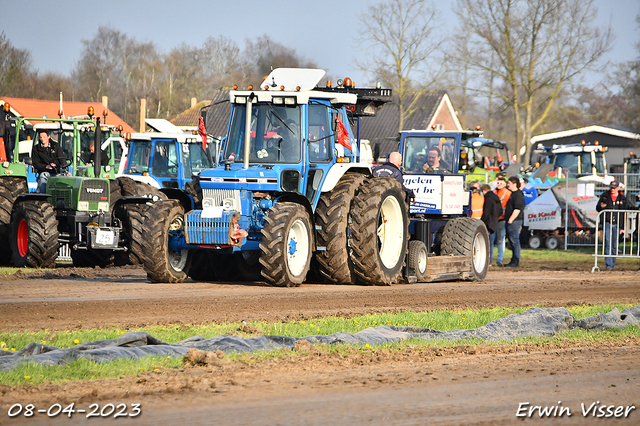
(477, 203)
(504, 195)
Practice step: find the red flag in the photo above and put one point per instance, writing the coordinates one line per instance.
(203, 133)
(343, 136)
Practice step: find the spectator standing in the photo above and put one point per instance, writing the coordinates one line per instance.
(530, 194)
(514, 214)
(503, 194)
(48, 159)
(391, 168)
(612, 200)
(477, 200)
(491, 211)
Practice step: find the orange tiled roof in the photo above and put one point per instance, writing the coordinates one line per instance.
(40, 108)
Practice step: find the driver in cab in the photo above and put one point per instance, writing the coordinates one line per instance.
(434, 163)
(48, 159)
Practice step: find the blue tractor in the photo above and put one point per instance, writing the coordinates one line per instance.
(293, 194)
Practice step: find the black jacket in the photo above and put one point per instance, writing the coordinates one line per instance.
(41, 157)
(491, 211)
(621, 203)
(516, 202)
(391, 170)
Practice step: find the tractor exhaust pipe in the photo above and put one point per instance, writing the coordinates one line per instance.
(97, 149)
(247, 130)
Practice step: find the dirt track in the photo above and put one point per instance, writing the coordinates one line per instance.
(453, 386)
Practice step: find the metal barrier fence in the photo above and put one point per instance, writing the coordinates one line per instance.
(619, 235)
(579, 228)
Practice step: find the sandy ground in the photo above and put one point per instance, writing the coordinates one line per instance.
(463, 385)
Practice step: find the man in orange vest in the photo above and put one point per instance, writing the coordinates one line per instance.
(477, 200)
(503, 193)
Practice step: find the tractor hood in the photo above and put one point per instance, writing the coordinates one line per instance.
(257, 178)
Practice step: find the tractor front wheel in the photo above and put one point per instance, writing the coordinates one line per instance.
(34, 235)
(286, 245)
(161, 263)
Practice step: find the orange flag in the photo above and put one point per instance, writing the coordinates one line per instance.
(343, 136)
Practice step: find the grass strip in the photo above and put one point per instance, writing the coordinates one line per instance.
(33, 373)
(443, 320)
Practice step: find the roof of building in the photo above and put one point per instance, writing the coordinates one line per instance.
(585, 130)
(383, 128)
(41, 108)
(218, 110)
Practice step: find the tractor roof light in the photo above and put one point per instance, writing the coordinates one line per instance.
(347, 82)
(6, 107)
(281, 88)
(278, 100)
(329, 84)
(266, 87)
(298, 88)
(90, 111)
(127, 136)
(234, 87)
(250, 87)
(290, 100)
(241, 99)
(120, 128)
(60, 113)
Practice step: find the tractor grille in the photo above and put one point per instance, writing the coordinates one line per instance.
(218, 195)
(94, 190)
(207, 230)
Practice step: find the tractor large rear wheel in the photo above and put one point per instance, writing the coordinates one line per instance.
(34, 234)
(161, 263)
(333, 214)
(10, 188)
(286, 245)
(379, 231)
(465, 236)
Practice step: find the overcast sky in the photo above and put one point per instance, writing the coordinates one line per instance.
(325, 31)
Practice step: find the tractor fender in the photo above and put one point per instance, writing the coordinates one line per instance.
(129, 200)
(338, 170)
(32, 196)
(185, 200)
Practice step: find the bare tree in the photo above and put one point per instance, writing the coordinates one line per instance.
(541, 45)
(14, 66)
(266, 54)
(403, 38)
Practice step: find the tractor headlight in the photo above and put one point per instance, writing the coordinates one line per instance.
(104, 206)
(83, 206)
(207, 203)
(229, 204)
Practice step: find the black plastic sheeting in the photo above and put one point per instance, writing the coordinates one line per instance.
(533, 322)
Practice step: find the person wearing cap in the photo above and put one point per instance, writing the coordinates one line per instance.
(612, 199)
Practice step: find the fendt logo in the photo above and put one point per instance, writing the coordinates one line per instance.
(95, 190)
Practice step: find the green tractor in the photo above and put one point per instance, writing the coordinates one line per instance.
(85, 209)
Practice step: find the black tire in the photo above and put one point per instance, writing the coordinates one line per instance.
(535, 242)
(160, 263)
(10, 188)
(465, 236)
(133, 228)
(145, 190)
(286, 244)
(34, 235)
(379, 231)
(552, 243)
(128, 186)
(201, 268)
(417, 260)
(333, 216)
(114, 194)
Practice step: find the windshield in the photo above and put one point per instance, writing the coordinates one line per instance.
(568, 162)
(194, 155)
(139, 153)
(275, 134)
(428, 154)
(600, 168)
